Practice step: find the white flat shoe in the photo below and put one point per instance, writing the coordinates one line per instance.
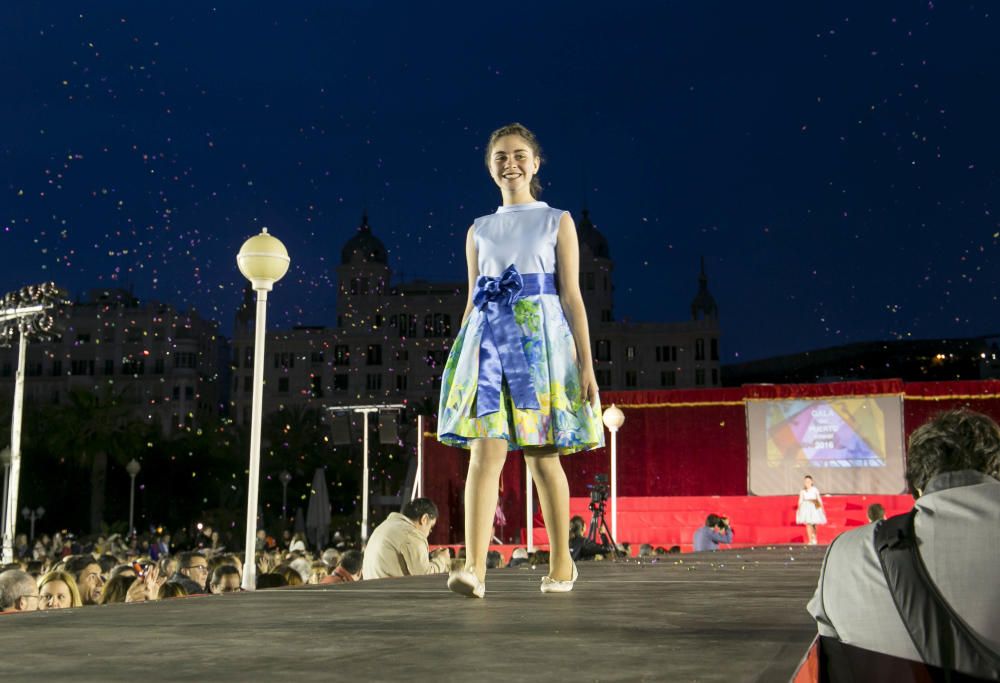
(464, 582)
(550, 585)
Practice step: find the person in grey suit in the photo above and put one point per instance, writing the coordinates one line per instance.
(953, 470)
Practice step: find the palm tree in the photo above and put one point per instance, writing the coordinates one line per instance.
(93, 428)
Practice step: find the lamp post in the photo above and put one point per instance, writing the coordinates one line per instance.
(133, 469)
(263, 260)
(5, 459)
(366, 411)
(31, 516)
(614, 418)
(285, 478)
(30, 314)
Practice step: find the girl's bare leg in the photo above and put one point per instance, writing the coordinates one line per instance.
(811, 532)
(482, 486)
(553, 495)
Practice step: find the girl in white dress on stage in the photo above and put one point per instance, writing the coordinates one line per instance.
(810, 510)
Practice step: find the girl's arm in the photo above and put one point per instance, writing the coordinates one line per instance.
(568, 259)
(472, 261)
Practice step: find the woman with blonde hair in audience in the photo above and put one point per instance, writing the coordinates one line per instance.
(319, 572)
(58, 590)
(116, 589)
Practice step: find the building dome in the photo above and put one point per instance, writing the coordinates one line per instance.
(592, 237)
(703, 305)
(364, 247)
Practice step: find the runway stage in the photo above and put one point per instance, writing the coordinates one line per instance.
(736, 615)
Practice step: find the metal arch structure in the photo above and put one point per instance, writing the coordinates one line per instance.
(32, 313)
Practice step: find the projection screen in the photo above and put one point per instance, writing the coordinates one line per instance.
(848, 444)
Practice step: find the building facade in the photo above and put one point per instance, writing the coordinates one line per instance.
(170, 364)
(390, 341)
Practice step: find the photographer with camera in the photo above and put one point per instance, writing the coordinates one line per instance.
(715, 531)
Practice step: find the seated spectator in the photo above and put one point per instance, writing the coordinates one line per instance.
(225, 579)
(715, 531)
(192, 572)
(494, 560)
(875, 512)
(348, 569)
(271, 581)
(171, 589)
(953, 469)
(87, 573)
(18, 592)
(116, 589)
(298, 543)
(518, 558)
(645, 550)
(303, 567)
(290, 574)
(317, 572)
(331, 556)
(398, 546)
(57, 590)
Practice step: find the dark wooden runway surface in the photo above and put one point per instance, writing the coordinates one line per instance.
(736, 615)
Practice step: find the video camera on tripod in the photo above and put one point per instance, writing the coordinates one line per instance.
(599, 534)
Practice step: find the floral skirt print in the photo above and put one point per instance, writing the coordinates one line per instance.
(545, 411)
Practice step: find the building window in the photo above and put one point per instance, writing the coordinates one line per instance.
(316, 387)
(83, 338)
(316, 358)
(340, 382)
(248, 357)
(402, 355)
(247, 386)
(631, 379)
(668, 378)
(82, 367)
(666, 354)
(109, 367)
(401, 382)
(373, 382)
(715, 377)
(699, 349)
(158, 366)
(56, 368)
(341, 355)
(284, 360)
(603, 378)
(7, 370)
(374, 356)
(699, 377)
(437, 325)
(177, 393)
(187, 359)
(405, 324)
(715, 348)
(282, 385)
(606, 315)
(378, 321)
(34, 369)
(436, 383)
(629, 353)
(606, 282)
(589, 280)
(189, 393)
(603, 349)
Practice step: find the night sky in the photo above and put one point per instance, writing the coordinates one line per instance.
(836, 165)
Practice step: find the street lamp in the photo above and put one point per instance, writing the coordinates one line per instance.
(132, 468)
(285, 477)
(263, 260)
(32, 515)
(30, 314)
(614, 418)
(5, 459)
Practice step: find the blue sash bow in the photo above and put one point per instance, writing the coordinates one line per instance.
(501, 353)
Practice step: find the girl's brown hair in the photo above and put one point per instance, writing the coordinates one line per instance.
(529, 137)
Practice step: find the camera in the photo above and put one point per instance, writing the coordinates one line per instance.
(599, 490)
(723, 523)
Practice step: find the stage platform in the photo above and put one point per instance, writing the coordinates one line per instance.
(736, 615)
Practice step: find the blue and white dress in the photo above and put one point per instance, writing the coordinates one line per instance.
(512, 372)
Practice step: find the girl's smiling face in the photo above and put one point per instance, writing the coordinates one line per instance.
(513, 163)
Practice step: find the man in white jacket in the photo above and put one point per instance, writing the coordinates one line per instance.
(398, 546)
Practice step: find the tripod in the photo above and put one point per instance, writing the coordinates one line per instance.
(599, 533)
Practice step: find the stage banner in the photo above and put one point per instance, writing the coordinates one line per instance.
(848, 444)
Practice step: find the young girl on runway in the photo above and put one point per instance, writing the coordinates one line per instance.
(810, 510)
(520, 373)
